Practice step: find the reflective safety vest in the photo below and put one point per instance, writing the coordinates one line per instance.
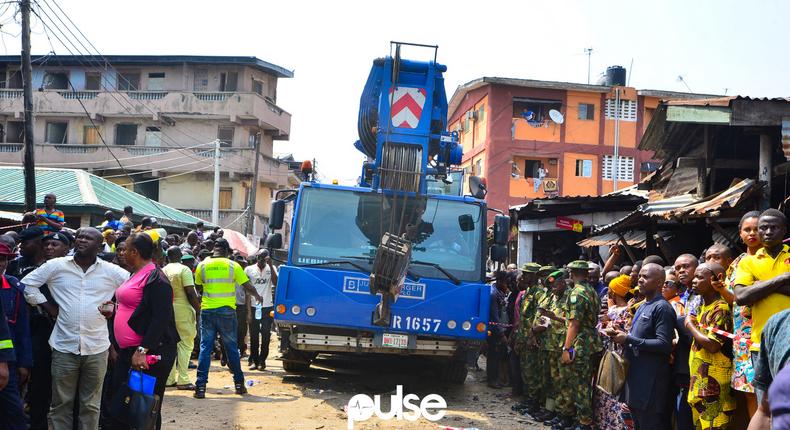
(219, 277)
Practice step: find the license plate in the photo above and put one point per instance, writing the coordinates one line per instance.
(395, 340)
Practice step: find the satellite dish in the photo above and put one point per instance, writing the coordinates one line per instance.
(556, 116)
(477, 187)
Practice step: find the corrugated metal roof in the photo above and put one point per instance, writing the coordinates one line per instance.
(686, 205)
(75, 187)
(662, 207)
(13, 216)
(636, 239)
(713, 101)
(726, 199)
(723, 101)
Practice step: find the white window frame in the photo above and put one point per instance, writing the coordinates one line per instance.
(628, 109)
(625, 171)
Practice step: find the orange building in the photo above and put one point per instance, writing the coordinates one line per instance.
(509, 136)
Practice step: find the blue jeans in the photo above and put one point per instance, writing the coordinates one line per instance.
(223, 321)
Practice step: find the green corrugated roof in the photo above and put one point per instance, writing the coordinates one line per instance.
(78, 188)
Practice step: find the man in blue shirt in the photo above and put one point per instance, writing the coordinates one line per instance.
(497, 339)
(647, 348)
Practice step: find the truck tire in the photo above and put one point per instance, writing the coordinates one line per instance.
(453, 372)
(291, 366)
(296, 361)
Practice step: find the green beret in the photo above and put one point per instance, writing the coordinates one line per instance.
(557, 274)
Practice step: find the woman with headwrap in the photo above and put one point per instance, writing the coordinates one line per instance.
(610, 413)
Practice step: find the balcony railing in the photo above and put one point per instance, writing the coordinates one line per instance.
(228, 218)
(76, 149)
(244, 107)
(10, 94)
(78, 95)
(10, 148)
(213, 97)
(146, 150)
(146, 95)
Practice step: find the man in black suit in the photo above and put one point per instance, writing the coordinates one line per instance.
(648, 345)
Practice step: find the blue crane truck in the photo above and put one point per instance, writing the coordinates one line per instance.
(396, 264)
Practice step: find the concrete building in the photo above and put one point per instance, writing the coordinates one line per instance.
(509, 137)
(157, 116)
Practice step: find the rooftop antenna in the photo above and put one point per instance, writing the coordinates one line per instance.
(630, 72)
(680, 78)
(588, 51)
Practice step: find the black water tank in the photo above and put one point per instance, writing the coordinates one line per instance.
(615, 75)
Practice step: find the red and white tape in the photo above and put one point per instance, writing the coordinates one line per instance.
(736, 338)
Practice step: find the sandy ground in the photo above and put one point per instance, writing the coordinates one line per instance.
(316, 398)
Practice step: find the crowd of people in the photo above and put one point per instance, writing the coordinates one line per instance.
(700, 342)
(84, 308)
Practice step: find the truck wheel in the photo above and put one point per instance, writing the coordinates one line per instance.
(295, 366)
(296, 361)
(454, 372)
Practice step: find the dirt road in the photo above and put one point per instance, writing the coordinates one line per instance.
(316, 399)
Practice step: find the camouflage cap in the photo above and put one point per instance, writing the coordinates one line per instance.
(578, 265)
(530, 267)
(545, 270)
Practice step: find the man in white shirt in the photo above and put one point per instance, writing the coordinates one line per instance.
(263, 275)
(80, 341)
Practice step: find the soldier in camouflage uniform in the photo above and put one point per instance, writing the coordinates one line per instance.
(539, 326)
(581, 344)
(560, 389)
(526, 344)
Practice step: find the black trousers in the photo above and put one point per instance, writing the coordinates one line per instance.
(241, 320)
(39, 389)
(493, 357)
(516, 383)
(260, 337)
(649, 420)
(160, 370)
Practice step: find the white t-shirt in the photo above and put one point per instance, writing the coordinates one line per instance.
(262, 281)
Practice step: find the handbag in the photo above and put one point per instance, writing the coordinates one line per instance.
(612, 373)
(138, 410)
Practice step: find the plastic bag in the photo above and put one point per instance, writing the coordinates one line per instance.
(612, 373)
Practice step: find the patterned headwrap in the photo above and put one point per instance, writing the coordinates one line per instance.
(620, 285)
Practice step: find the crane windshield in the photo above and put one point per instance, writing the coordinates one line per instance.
(335, 224)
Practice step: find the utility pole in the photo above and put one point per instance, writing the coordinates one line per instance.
(27, 83)
(616, 161)
(248, 228)
(588, 51)
(215, 199)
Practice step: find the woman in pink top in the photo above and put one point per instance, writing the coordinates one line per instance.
(144, 324)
